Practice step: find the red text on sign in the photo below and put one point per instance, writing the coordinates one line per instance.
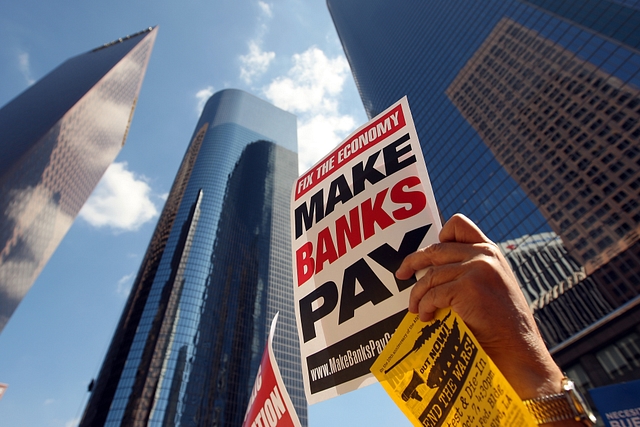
(359, 225)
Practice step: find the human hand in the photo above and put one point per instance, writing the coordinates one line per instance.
(467, 272)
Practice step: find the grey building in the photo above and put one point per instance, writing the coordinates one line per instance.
(218, 268)
(58, 138)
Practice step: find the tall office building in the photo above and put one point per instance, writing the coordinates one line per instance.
(218, 268)
(528, 115)
(58, 138)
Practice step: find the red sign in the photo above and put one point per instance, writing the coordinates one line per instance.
(270, 404)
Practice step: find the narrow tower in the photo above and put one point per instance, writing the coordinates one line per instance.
(58, 138)
(218, 268)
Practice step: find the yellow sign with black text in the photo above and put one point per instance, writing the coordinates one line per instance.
(438, 375)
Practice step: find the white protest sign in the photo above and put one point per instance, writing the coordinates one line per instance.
(355, 215)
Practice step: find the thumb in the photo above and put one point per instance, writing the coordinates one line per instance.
(461, 229)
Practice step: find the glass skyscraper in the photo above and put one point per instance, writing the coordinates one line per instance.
(528, 113)
(218, 268)
(58, 138)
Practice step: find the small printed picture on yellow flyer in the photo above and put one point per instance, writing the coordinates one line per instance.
(439, 376)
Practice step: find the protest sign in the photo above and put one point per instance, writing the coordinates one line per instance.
(618, 404)
(270, 404)
(438, 375)
(355, 215)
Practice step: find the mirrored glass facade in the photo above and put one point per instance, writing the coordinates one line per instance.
(528, 114)
(217, 270)
(58, 138)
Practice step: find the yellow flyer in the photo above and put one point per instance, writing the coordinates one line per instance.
(438, 375)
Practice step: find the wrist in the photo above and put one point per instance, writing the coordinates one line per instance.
(531, 373)
(546, 380)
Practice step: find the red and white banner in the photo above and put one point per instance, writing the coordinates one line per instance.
(355, 215)
(270, 404)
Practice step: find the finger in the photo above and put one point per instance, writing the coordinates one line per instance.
(461, 229)
(436, 254)
(436, 298)
(434, 277)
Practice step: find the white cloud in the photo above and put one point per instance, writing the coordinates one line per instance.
(120, 201)
(124, 285)
(318, 134)
(49, 401)
(72, 423)
(203, 96)
(266, 9)
(312, 89)
(25, 67)
(255, 63)
(312, 84)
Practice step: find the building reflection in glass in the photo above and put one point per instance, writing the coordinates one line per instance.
(528, 113)
(58, 138)
(217, 270)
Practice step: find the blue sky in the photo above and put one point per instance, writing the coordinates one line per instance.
(284, 51)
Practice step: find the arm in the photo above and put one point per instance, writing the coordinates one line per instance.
(467, 272)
